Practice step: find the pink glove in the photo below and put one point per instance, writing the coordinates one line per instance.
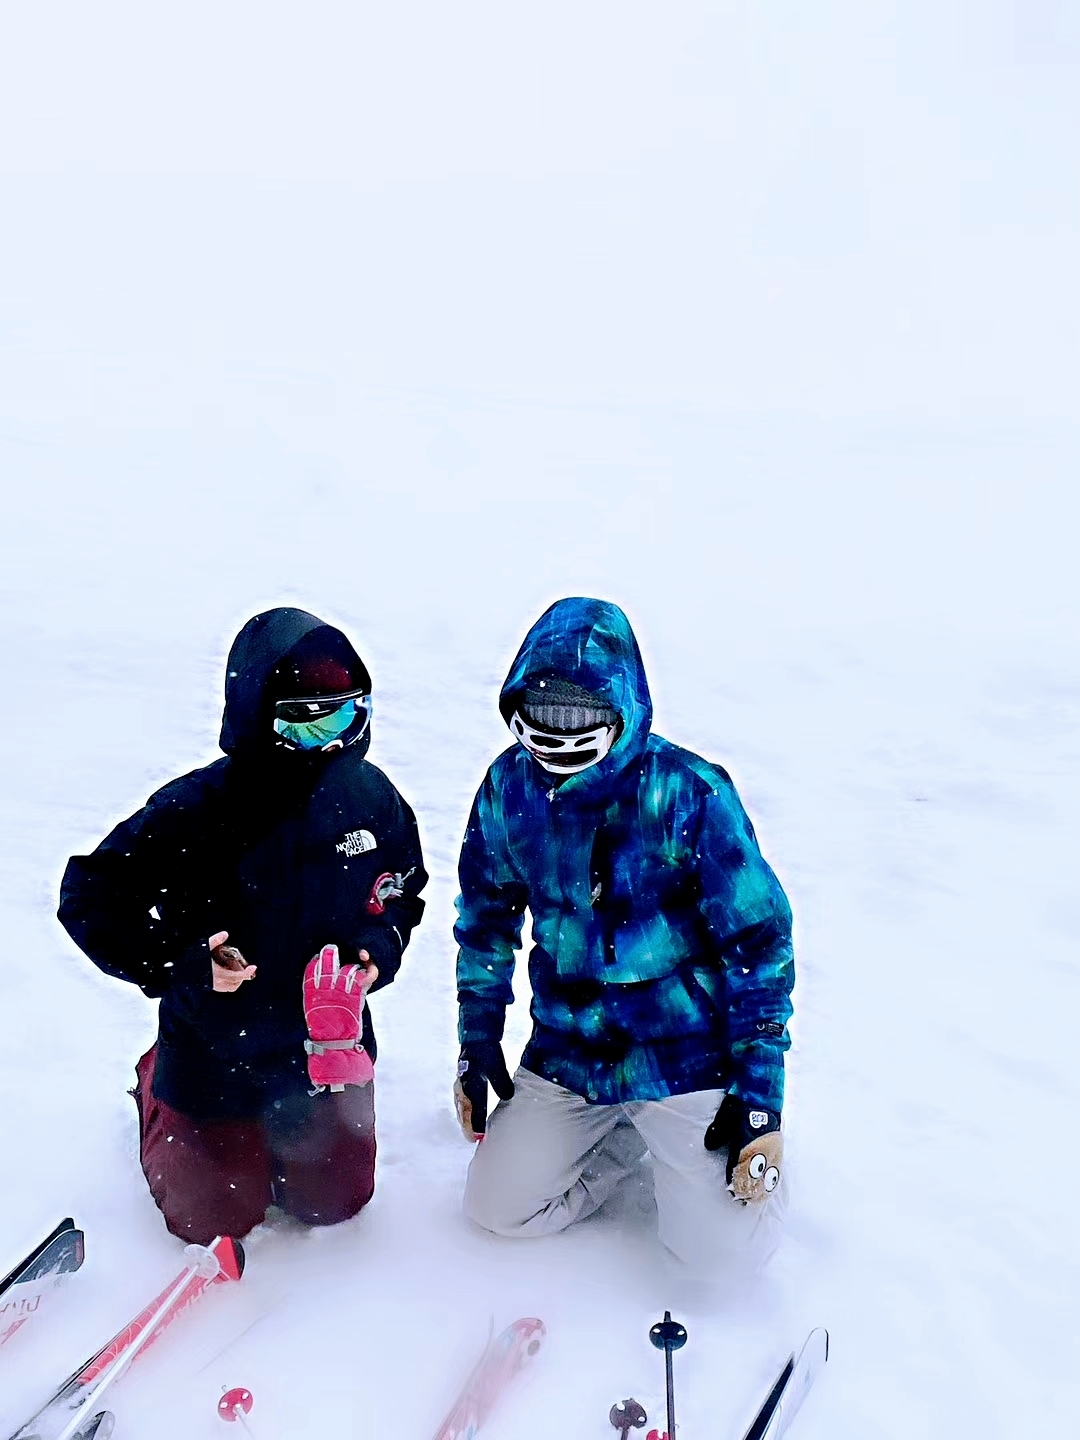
(333, 1009)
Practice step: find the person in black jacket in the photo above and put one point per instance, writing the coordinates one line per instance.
(216, 895)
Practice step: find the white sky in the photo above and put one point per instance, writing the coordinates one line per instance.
(766, 206)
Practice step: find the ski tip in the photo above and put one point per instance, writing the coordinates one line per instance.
(66, 1227)
(229, 1254)
(528, 1333)
(78, 1247)
(530, 1326)
(60, 1253)
(820, 1336)
(99, 1428)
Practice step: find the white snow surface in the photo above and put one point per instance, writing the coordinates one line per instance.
(758, 319)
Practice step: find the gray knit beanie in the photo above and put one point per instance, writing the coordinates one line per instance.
(554, 703)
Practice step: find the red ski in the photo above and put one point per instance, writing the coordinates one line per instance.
(75, 1412)
(497, 1367)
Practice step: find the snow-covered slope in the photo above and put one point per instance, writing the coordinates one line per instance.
(755, 320)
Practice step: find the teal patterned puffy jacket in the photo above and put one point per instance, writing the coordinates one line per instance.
(662, 959)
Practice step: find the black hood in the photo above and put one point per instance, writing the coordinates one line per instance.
(264, 642)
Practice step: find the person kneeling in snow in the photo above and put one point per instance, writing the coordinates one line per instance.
(661, 970)
(261, 898)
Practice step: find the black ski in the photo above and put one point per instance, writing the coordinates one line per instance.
(21, 1289)
(789, 1391)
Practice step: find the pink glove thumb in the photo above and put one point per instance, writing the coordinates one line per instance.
(333, 1010)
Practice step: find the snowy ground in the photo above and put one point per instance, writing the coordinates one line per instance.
(759, 322)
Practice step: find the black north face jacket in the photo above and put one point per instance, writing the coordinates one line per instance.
(280, 848)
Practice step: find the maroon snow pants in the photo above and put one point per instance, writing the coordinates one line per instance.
(218, 1177)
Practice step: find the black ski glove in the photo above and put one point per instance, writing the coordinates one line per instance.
(755, 1147)
(480, 1061)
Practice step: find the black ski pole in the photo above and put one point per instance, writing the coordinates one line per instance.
(668, 1335)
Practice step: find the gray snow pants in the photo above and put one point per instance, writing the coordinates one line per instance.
(550, 1158)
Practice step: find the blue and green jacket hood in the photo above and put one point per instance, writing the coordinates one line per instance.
(591, 643)
(662, 959)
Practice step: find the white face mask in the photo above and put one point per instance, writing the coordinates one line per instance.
(564, 754)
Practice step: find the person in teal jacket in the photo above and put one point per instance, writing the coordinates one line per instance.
(661, 970)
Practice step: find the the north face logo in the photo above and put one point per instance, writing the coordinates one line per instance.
(356, 842)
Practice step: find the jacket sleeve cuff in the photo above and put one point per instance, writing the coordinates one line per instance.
(758, 1075)
(385, 949)
(478, 1021)
(193, 967)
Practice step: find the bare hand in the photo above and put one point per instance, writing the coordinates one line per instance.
(371, 970)
(229, 967)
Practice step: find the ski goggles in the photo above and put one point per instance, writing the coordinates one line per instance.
(564, 753)
(323, 722)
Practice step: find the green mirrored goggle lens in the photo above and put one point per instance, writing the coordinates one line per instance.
(316, 723)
